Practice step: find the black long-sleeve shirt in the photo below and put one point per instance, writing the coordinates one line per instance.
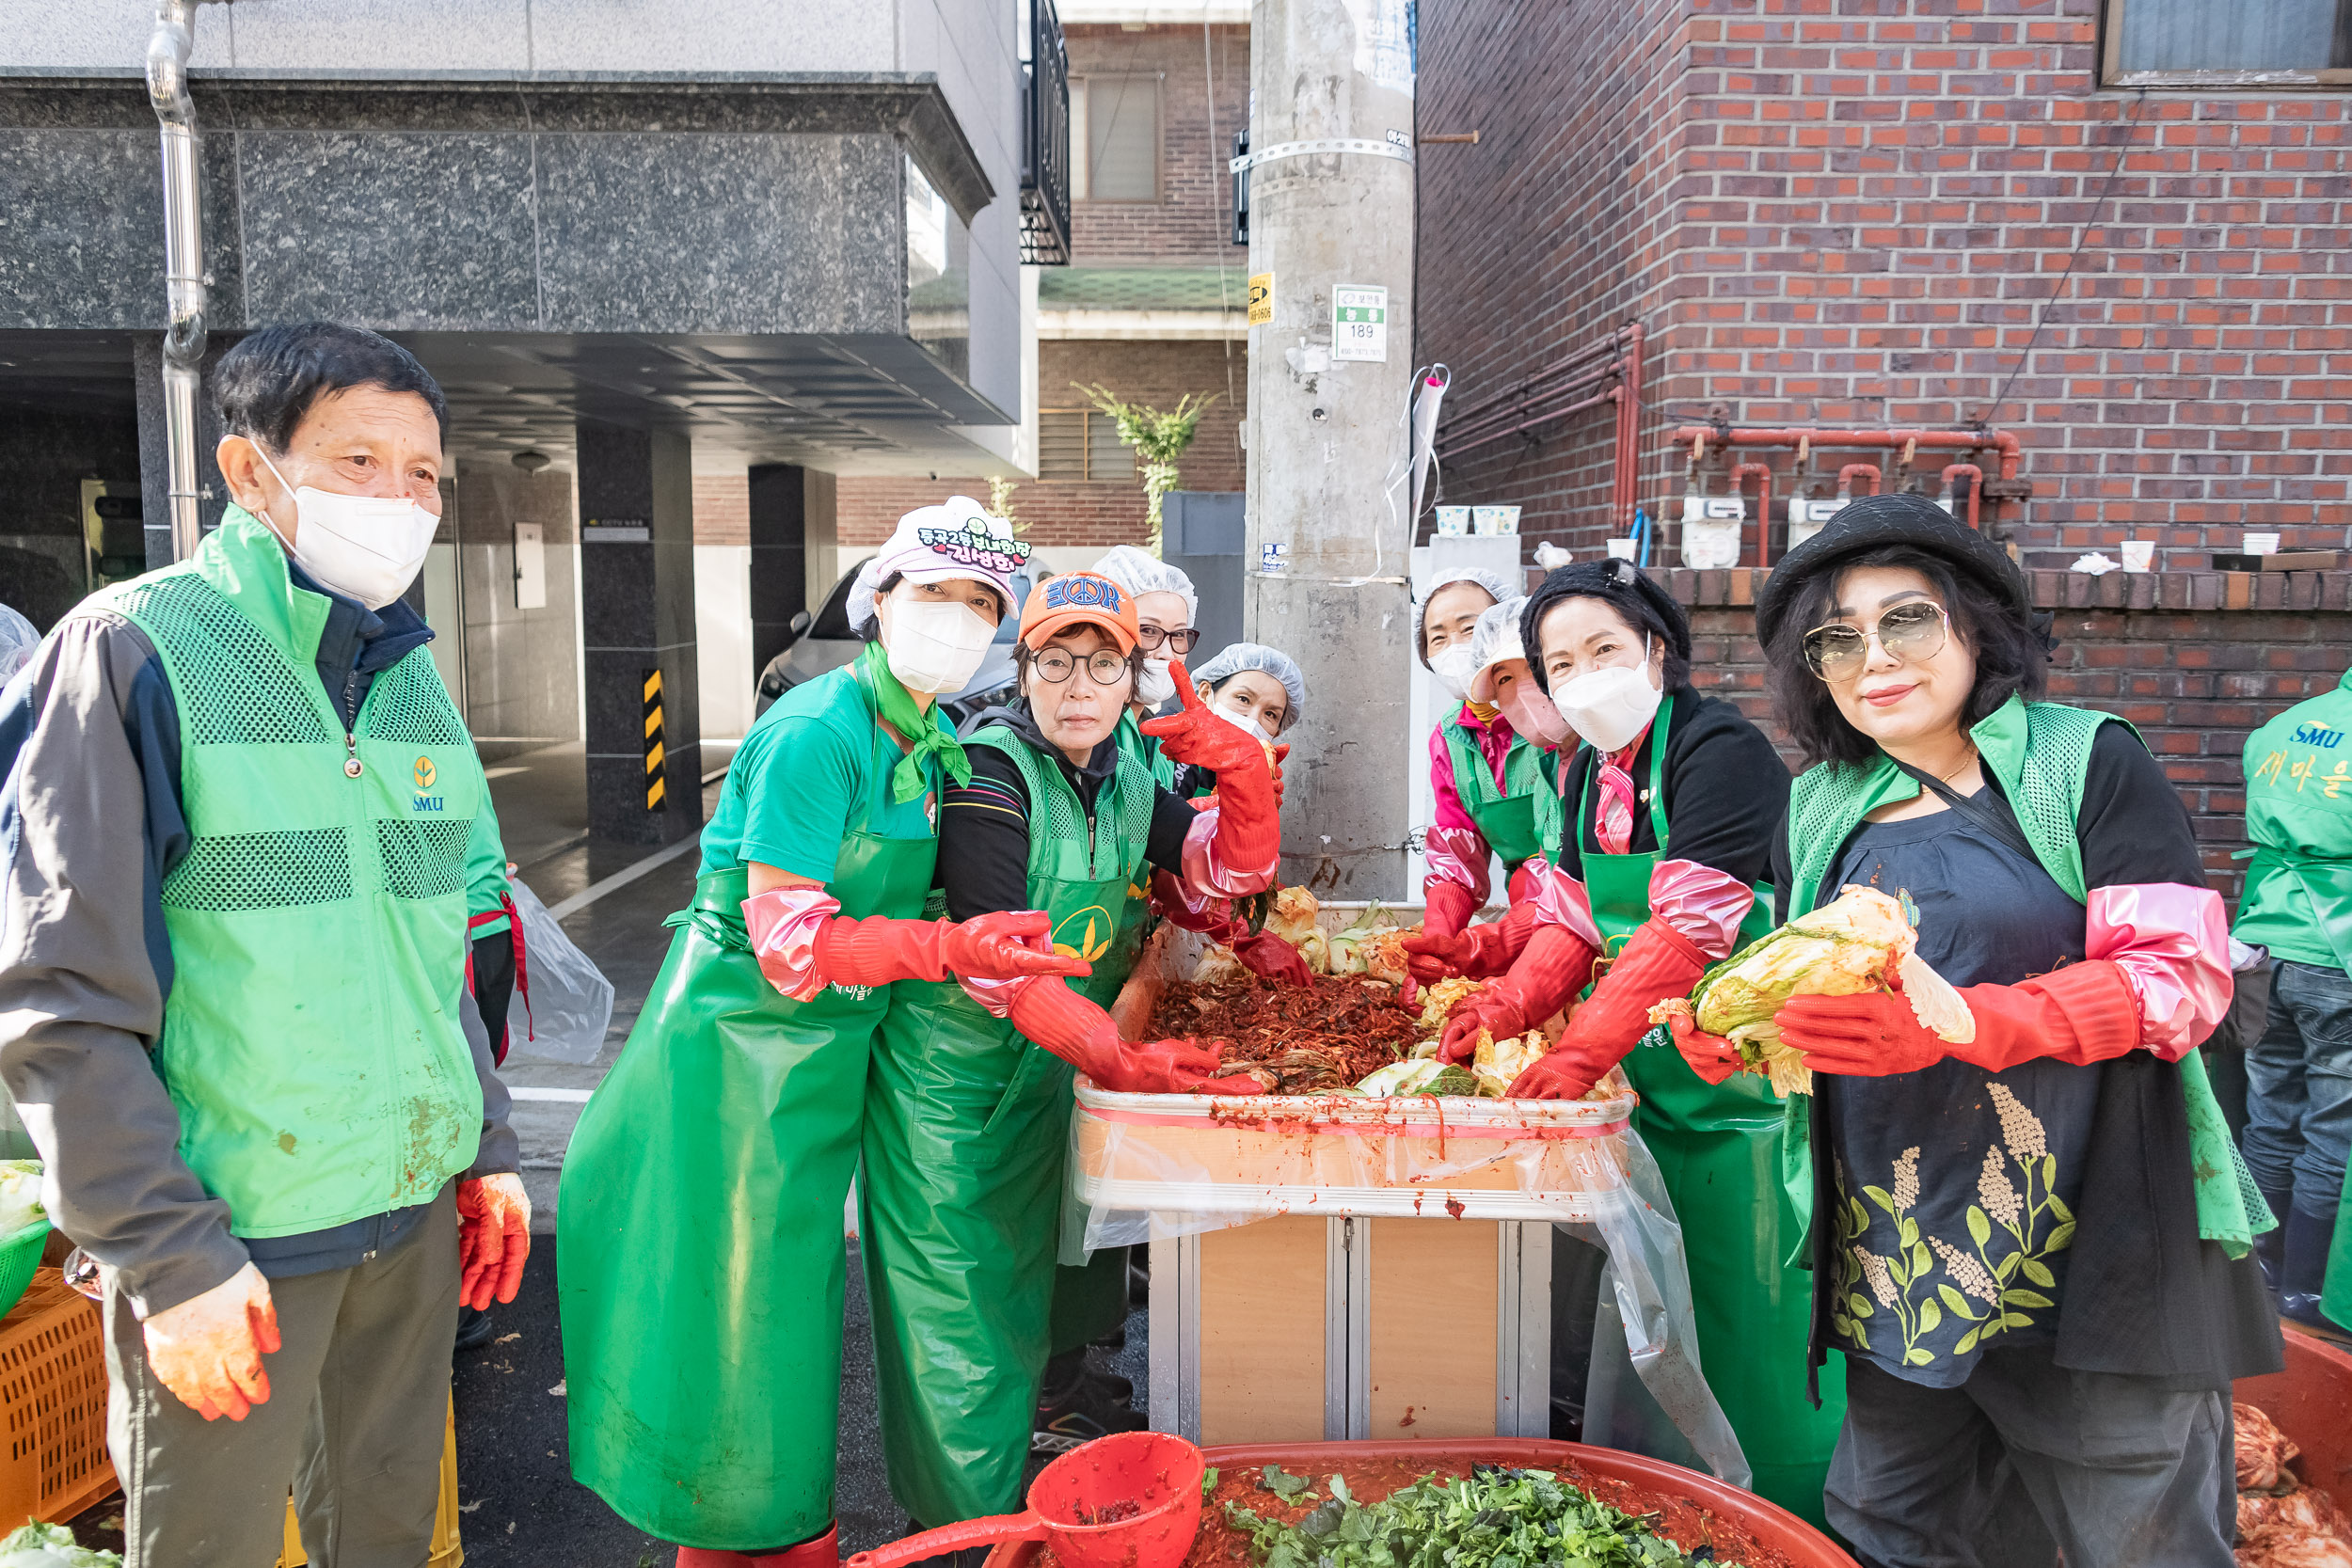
(984, 825)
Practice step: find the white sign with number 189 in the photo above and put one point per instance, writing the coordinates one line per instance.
(1360, 323)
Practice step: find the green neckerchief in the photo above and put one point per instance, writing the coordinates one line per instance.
(926, 733)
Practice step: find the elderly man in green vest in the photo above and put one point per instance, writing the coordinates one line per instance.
(2298, 1074)
(242, 826)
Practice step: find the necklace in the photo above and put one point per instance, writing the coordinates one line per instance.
(1946, 777)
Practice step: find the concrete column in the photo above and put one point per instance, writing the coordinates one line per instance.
(637, 615)
(146, 360)
(779, 519)
(1327, 542)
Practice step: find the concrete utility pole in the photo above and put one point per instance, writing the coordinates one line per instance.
(1329, 532)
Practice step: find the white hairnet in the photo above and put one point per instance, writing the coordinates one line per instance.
(1271, 661)
(17, 641)
(1140, 571)
(1498, 587)
(1495, 640)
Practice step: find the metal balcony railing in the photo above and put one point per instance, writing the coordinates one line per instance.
(1045, 138)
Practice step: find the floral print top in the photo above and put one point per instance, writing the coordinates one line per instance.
(1957, 1187)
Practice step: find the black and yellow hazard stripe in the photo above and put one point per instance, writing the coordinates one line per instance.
(655, 789)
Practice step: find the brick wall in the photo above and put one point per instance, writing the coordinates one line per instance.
(722, 508)
(1157, 374)
(2196, 661)
(1851, 213)
(1193, 220)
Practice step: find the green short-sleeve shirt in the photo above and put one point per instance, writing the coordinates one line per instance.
(800, 782)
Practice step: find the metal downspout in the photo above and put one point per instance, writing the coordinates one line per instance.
(184, 278)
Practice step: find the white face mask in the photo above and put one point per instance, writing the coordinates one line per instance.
(367, 546)
(935, 647)
(1608, 707)
(1452, 669)
(1155, 684)
(1243, 723)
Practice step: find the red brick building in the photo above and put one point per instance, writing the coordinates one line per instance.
(2121, 229)
(1151, 307)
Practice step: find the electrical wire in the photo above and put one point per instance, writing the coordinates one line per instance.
(2042, 317)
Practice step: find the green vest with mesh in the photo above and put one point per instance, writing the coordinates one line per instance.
(1088, 877)
(310, 1038)
(2040, 752)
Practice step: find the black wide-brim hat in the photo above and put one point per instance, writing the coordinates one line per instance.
(1875, 522)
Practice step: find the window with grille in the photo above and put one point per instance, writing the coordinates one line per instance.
(1114, 139)
(2252, 43)
(1078, 446)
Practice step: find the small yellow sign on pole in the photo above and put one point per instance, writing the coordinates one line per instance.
(1260, 298)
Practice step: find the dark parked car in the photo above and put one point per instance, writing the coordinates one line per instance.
(827, 641)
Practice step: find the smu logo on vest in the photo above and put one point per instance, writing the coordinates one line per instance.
(2318, 735)
(1086, 934)
(425, 774)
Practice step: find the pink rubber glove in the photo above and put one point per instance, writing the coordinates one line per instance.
(1270, 957)
(208, 1350)
(1711, 1057)
(1059, 1019)
(493, 1238)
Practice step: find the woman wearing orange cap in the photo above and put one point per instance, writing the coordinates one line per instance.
(968, 1102)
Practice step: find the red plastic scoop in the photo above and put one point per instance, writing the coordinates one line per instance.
(1129, 1501)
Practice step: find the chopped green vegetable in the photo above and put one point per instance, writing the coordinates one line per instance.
(1282, 1483)
(1491, 1518)
(38, 1546)
(1208, 1483)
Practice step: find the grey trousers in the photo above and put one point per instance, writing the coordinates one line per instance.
(358, 1401)
(2026, 1460)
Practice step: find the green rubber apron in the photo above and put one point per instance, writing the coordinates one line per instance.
(1505, 817)
(700, 1258)
(1718, 1147)
(967, 1130)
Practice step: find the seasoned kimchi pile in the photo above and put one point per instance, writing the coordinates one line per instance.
(2280, 1522)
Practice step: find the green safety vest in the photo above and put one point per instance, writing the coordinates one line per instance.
(1144, 748)
(1517, 818)
(2298, 812)
(2040, 754)
(310, 1039)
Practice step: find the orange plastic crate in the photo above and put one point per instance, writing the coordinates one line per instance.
(53, 1399)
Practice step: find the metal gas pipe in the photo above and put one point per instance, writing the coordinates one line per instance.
(1763, 506)
(184, 279)
(1909, 441)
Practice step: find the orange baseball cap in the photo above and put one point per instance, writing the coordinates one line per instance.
(1078, 598)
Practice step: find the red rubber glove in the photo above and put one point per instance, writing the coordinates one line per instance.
(1059, 1019)
(493, 1238)
(208, 1350)
(1658, 961)
(1249, 823)
(1003, 945)
(1483, 952)
(1270, 957)
(1554, 968)
(2084, 1013)
(1711, 1057)
(1449, 907)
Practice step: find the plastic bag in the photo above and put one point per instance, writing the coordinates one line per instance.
(571, 1002)
(18, 640)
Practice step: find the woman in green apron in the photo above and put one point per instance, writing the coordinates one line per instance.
(1675, 799)
(700, 1238)
(968, 1107)
(1513, 809)
(1262, 691)
(1166, 608)
(2032, 1245)
(1484, 774)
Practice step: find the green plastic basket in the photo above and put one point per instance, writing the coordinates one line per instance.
(20, 1255)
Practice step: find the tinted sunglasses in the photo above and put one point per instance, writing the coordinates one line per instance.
(1915, 631)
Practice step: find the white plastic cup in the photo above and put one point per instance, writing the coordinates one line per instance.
(2262, 543)
(1493, 522)
(2140, 555)
(1621, 549)
(1453, 521)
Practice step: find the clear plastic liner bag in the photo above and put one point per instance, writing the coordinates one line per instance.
(570, 1005)
(1154, 1167)
(18, 640)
